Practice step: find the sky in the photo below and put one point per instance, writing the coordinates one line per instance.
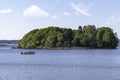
(18, 17)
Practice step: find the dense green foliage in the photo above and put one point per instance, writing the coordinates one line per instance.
(55, 37)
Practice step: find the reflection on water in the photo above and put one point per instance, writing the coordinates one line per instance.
(92, 64)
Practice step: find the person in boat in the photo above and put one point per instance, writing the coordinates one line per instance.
(21, 52)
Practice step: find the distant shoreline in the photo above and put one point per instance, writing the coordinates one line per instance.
(9, 42)
(66, 48)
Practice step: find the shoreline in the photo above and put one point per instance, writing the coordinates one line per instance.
(66, 48)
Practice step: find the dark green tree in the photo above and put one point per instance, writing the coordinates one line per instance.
(89, 36)
(106, 38)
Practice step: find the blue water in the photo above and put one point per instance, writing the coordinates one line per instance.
(94, 64)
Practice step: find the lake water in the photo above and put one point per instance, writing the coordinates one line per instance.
(94, 64)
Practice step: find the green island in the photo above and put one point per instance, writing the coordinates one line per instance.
(85, 37)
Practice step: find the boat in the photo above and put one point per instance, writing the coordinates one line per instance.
(28, 53)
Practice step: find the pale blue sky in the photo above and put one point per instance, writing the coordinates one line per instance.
(17, 17)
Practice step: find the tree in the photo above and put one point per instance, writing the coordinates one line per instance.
(76, 38)
(59, 39)
(89, 38)
(67, 37)
(106, 38)
(80, 29)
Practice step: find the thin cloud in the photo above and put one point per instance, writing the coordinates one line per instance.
(56, 0)
(114, 19)
(35, 11)
(5, 11)
(55, 16)
(81, 8)
(113, 22)
(66, 13)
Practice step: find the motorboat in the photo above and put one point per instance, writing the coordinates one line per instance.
(28, 53)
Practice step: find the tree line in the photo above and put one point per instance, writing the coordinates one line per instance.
(55, 37)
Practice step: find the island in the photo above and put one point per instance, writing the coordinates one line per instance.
(86, 37)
